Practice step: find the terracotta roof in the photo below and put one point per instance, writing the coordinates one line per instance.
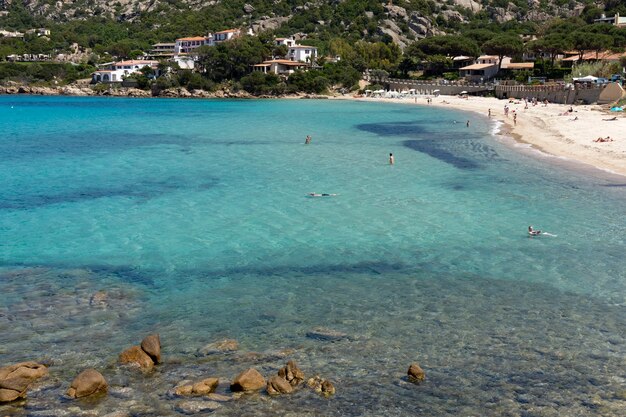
(488, 57)
(192, 38)
(519, 65)
(477, 66)
(227, 31)
(303, 46)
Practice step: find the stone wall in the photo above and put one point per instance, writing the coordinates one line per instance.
(556, 93)
(424, 87)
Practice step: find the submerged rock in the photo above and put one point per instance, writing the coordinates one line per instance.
(222, 346)
(99, 299)
(416, 374)
(321, 386)
(194, 407)
(321, 333)
(87, 383)
(248, 380)
(206, 386)
(328, 388)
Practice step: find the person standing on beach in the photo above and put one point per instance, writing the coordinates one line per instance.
(467, 124)
(515, 119)
(489, 113)
(307, 140)
(391, 159)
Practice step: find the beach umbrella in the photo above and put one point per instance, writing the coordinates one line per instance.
(463, 92)
(436, 91)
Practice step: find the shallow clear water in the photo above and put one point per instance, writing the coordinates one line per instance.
(194, 217)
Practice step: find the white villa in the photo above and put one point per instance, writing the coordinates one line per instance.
(279, 66)
(39, 32)
(302, 53)
(116, 72)
(188, 45)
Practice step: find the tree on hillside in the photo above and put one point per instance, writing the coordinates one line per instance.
(584, 41)
(503, 45)
(443, 45)
(233, 59)
(552, 44)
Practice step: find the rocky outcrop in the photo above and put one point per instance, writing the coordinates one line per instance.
(88, 382)
(269, 23)
(452, 16)
(416, 374)
(144, 356)
(248, 380)
(15, 379)
(469, 4)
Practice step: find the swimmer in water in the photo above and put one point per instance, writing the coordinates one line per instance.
(321, 195)
(533, 232)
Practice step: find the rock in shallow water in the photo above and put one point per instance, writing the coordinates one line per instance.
(29, 370)
(152, 346)
(248, 380)
(194, 407)
(13, 388)
(135, 355)
(416, 373)
(292, 373)
(329, 335)
(278, 385)
(87, 383)
(222, 346)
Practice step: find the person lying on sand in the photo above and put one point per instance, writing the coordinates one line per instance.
(574, 119)
(611, 119)
(607, 139)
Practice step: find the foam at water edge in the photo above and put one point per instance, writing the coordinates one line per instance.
(496, 128)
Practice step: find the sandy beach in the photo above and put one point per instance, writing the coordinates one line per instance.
(550, 129)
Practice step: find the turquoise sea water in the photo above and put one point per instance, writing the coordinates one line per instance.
(194, 217)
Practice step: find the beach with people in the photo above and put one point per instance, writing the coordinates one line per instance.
(552, 129)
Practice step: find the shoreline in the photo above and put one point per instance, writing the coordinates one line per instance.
(549, 129)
